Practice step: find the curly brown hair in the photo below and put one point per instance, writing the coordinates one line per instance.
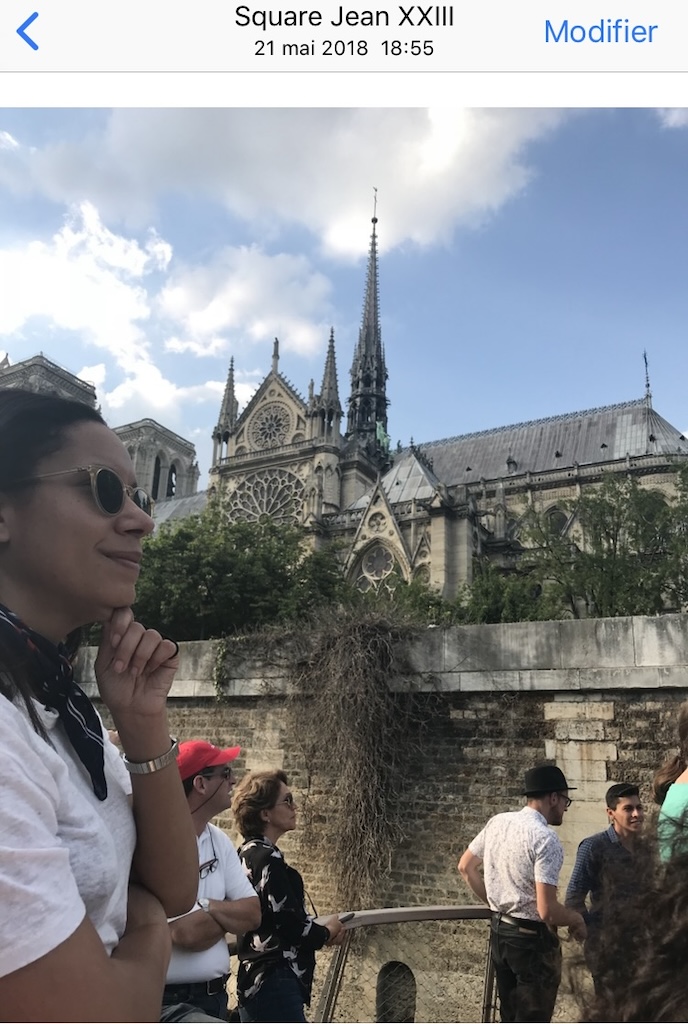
(257, 792)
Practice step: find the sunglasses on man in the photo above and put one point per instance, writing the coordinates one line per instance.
(108, 489)
(225, 772)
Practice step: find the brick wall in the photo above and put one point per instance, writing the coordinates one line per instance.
(598, 696)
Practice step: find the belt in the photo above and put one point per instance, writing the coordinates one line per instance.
(184, 991)
(524, 923)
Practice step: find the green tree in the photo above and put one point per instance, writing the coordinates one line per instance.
(205, 577)
(416, 601)
(678, 546)
(514, 597)
(617, 558)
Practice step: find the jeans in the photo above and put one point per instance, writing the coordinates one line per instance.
(206, 1008)
(279, 1000)
(527, 970)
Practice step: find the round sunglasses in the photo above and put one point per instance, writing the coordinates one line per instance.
(108, 489)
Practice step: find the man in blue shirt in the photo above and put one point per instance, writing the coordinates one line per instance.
(604, 869)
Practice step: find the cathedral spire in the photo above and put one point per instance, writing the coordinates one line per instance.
(648, 392)
(325, 408)
(228, 416)
(329, 392)
(367, 417)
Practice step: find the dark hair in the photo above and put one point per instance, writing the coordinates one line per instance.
(618, 791)
(257, 792)
(188, 783)
(32, 426)
(677, 764)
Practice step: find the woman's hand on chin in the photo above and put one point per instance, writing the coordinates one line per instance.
(134, 667)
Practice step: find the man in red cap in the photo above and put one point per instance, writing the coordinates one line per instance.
(227, 902)
(513, 865)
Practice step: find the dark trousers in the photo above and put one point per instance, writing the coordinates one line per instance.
(279, 999)
(591, 950)
(527, 966)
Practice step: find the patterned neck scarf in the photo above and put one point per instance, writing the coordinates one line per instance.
(52, 671)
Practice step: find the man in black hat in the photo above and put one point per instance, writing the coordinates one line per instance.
(604, 868)
(521, 858)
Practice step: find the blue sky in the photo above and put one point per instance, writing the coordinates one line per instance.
(527, 257)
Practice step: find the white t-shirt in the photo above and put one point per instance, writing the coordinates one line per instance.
(64, 854)
(518, 849)
(227, 882)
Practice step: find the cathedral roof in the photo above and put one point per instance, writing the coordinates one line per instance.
(179, 508)
(593, 436)
(407, 480)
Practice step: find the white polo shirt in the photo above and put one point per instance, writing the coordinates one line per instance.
(518, 849)
(226, 882)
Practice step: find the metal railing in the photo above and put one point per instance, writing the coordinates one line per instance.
(404, 964)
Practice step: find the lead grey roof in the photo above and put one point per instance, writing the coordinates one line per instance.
(407, 480)
(179, 508)
(592, 436)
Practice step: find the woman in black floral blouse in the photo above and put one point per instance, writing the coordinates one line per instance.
(276, 962)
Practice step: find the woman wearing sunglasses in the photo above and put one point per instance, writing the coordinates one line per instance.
(276, 962)
(95, 850)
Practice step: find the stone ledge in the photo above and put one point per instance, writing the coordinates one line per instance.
(576, 657)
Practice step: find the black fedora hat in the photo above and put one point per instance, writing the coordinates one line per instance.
(546, 778)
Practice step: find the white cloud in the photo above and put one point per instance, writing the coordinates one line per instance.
(94, 283)
(249, 295)
(8, 141)
(126, 298)
(93, 374)
(435, 169)
(673, 117)
(84, 279)
(212, 346)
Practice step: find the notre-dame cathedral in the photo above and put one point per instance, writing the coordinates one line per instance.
(424, 512)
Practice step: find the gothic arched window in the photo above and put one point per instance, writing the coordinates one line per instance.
(156, 479)
(172, 481)
(557, 522)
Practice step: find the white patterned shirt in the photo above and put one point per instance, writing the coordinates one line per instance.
(518, 849)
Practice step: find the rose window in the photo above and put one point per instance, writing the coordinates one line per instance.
(275, 493)
(270, 426)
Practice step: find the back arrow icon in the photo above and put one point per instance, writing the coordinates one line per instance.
(22, 34)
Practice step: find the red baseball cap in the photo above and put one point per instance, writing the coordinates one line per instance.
(195, 755)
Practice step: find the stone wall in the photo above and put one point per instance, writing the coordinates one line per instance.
(597, 696)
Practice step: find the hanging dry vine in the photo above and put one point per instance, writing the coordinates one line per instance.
(359, 734)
